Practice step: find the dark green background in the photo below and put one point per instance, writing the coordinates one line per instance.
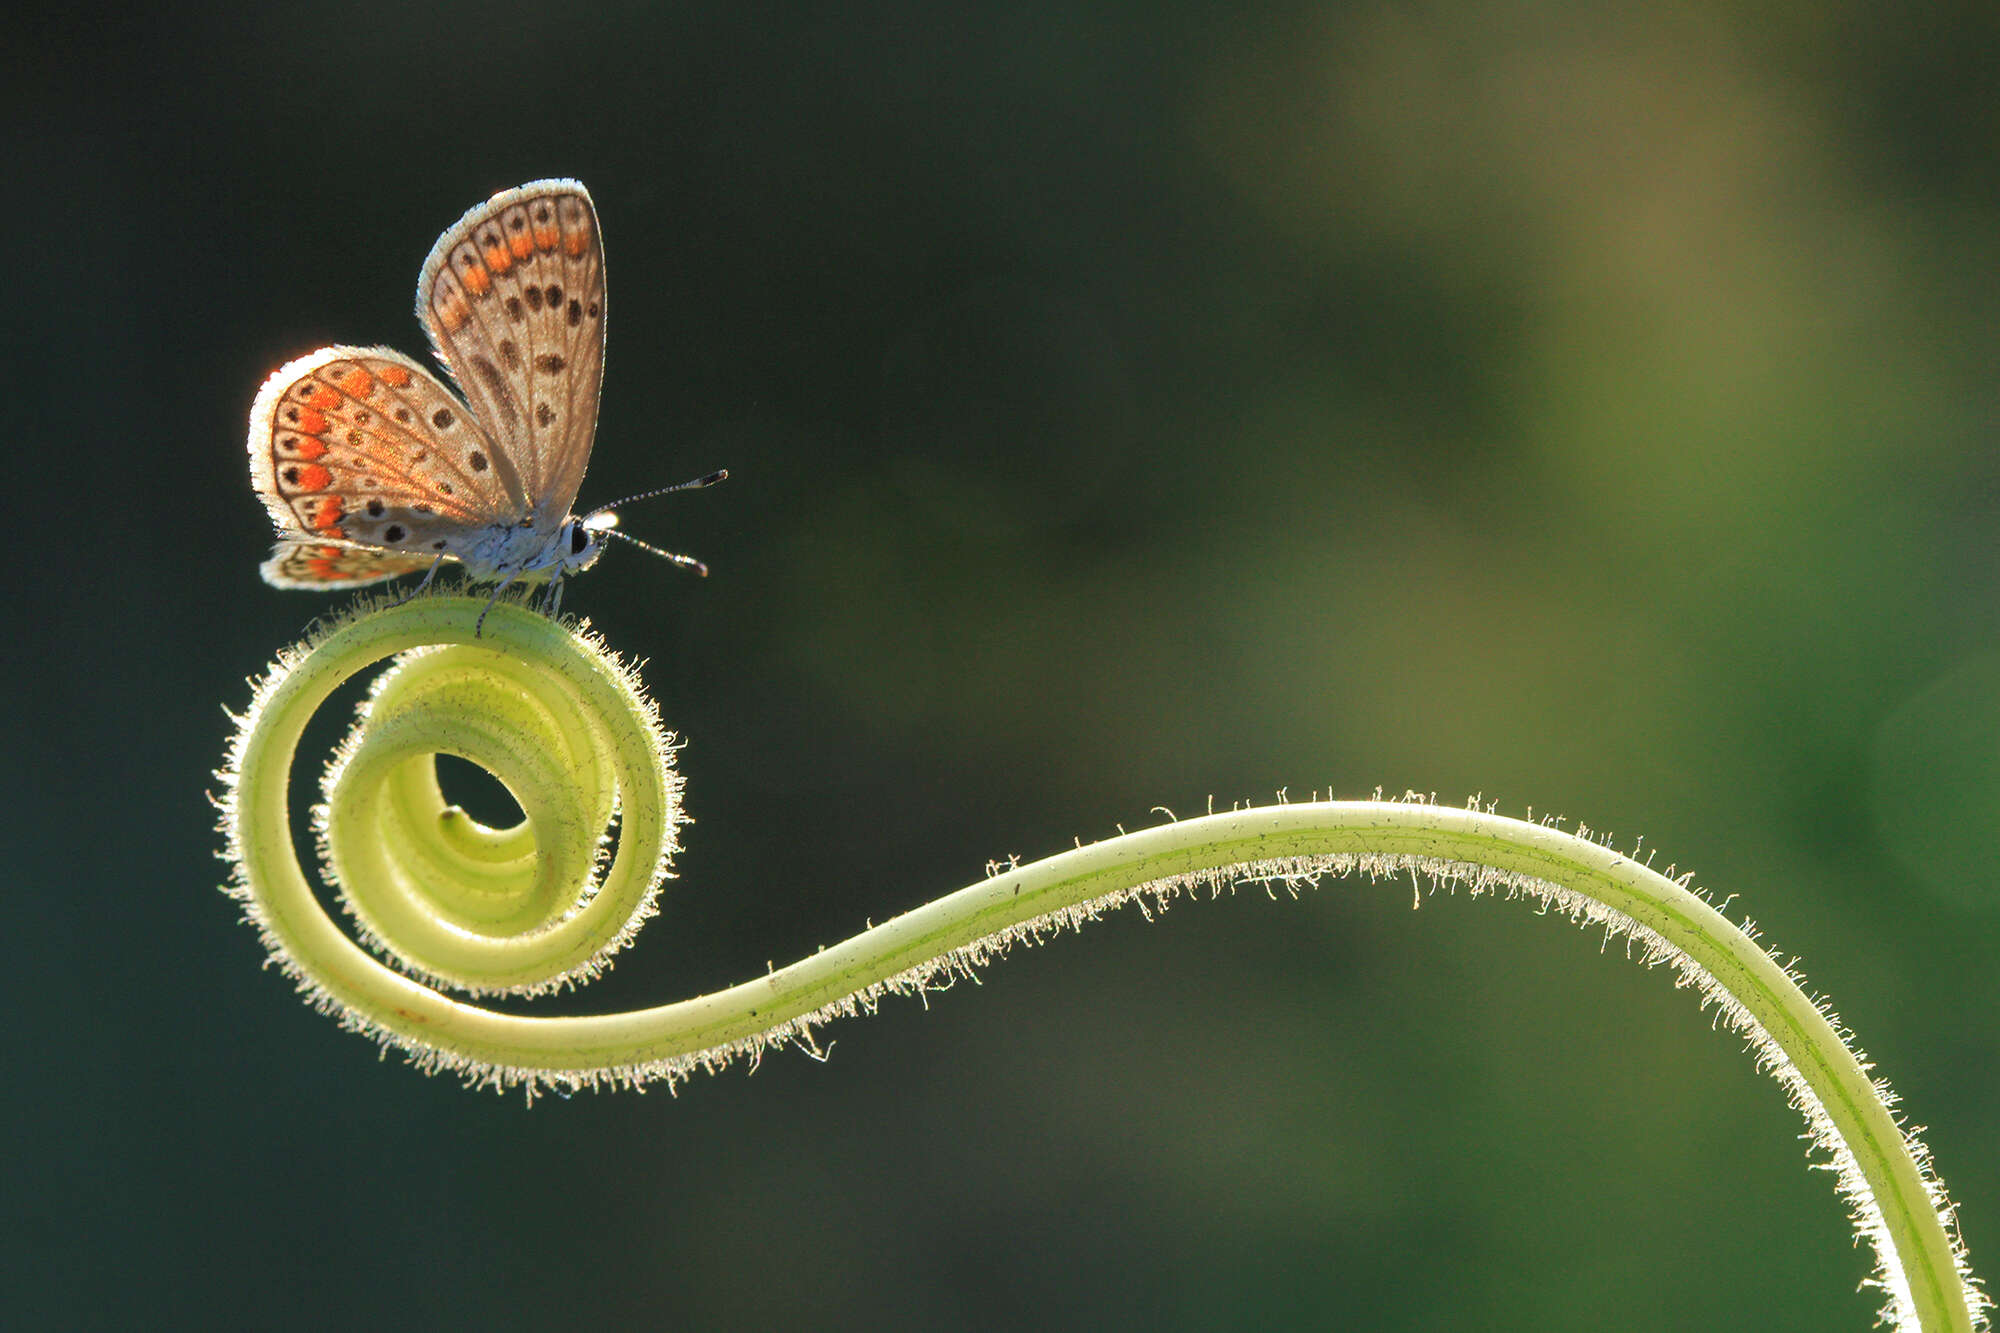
(1592, 407)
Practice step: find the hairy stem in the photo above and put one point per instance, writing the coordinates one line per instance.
(523, 910)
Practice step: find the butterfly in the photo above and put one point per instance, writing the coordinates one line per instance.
(372, 468)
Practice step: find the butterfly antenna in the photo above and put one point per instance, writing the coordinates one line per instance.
(672, 557)
(721, 474)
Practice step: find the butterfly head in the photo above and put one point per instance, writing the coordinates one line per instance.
(580, 542)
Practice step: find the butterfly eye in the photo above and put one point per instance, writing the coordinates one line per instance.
(579, 539)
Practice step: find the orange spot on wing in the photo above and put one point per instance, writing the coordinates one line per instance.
(499, 258)
(576, 242)
(328, 515)
(323, 398)
(313, 477)
(311, 422)
(477, 278)
(546, 237)
(395, 376)
(308, 448)
(522, 244)
(358, 383)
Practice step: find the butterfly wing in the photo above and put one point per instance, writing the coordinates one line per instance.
(361, 446)
(513, 298)
(330, 566)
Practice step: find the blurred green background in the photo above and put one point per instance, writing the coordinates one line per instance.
(1593, 407)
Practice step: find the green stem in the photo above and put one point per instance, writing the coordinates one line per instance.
(564, 725)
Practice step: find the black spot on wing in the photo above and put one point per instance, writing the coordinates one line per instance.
(496, 384)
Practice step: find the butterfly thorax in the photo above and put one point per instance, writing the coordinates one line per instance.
(527, 552)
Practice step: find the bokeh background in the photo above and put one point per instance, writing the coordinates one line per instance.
(1593, 407)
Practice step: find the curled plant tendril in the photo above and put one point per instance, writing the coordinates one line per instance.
(452, 903)
(483, 911)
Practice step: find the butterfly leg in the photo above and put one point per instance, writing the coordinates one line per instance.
(480, 623)
(552, 603)
(429, 574)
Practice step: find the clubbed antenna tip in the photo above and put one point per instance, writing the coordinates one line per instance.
(720, 474)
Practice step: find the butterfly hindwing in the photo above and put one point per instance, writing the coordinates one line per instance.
(513, 298)
(330, 566)
(363, 445)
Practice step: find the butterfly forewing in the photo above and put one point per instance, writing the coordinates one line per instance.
(513, 299)
(362, 445)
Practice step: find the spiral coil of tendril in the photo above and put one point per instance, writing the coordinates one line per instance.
(556, 718)
(449, 902)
